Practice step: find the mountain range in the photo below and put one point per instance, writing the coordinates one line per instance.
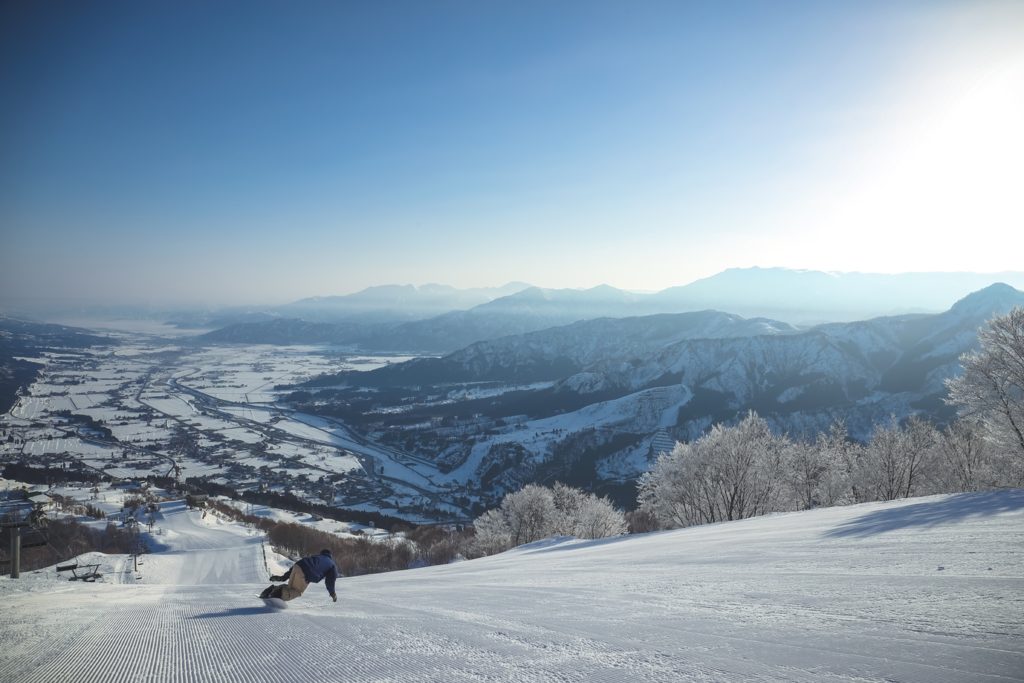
(395, 302)
(382, 319)
(804, 297)
(584, 402)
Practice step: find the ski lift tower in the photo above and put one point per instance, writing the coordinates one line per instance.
(133, 527)
(25, 521)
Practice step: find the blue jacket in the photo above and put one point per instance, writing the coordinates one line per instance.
(317, 567)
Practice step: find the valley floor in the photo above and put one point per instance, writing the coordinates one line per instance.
(928, 589)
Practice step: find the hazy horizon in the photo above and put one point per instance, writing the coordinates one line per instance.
(223, 154)
(43, 306)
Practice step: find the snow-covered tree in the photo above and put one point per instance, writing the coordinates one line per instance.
(964, 457)
(919, 449)
(837, 453)
(530, 514)
(806, 469)
(598, 518)
(818, 471)
(492, 533)
(568, 503)
(677, 489)
(535, 512)
(991, 388)
(729, 473)
(896, 460)
(880, 470)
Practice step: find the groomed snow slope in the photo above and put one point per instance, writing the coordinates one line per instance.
(930, 590)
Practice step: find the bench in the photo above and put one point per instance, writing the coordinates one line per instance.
(80, 572)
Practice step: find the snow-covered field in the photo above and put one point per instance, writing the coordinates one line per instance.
(149, 406)
(249, 374)
(927, 590)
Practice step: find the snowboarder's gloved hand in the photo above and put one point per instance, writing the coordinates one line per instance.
(277, 578)
(334, 597)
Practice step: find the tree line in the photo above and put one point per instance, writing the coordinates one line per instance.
(66, 538)
(405, 548)
(536, 512)
(738, 471)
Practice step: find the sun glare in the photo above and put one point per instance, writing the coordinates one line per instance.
(966, 169)
(941, 182)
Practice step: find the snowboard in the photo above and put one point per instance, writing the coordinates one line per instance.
(275, 603)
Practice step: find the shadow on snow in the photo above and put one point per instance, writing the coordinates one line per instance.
(560, 543)
(233, 612)
(956, 508)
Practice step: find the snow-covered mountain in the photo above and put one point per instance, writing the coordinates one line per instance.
(811, 296)
(794, 296)
(375, 324)
(382, 306)
(570, 305)
(603, 389)
(436, 319)
(395, 302)
(919, 590)
(551, 353)
(526, 311)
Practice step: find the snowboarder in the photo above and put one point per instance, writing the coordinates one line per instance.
(304, 572)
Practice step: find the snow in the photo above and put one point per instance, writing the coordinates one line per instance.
(174, 406)
(642, 411)
(330, 432)
(69, 445)
(153, 393)
(368, 363)
(301, 427)
(926, 590)
(262, 415)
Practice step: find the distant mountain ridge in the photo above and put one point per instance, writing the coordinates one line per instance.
(395, 302)
(807, 296)
(609, 386)
(547, 354)
(794, 297)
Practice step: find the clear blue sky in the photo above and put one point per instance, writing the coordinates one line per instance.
(237, 152)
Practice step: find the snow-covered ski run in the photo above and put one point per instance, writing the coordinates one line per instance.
(928, 589)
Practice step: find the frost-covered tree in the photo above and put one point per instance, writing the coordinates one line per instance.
(675, 490)
(535, 512)
(530, 514)
(598, 518)
(492, 533)
(561, 510)
(964, 457)
(806, 469)
(837, 453)
(818, 472)
(991, 388)
(880, 470)
(919, 439)
(568, 503)
(729, 473)
(896, 460)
